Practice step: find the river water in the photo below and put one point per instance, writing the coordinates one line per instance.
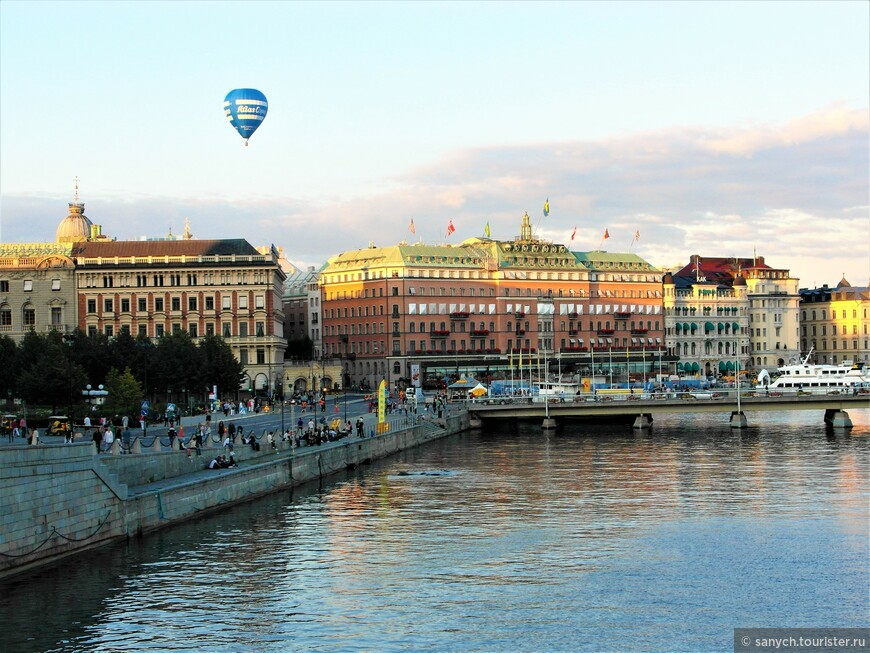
(597, 538)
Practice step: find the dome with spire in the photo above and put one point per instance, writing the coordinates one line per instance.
(739, 280)
(75, 227)
(844, 283)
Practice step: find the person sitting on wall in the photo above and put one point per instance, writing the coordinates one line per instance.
(215, 463)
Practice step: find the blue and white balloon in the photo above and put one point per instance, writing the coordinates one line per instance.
(245, 109)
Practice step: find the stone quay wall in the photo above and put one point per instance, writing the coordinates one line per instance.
(59, 500)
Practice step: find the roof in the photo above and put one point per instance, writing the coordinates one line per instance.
(124, 248)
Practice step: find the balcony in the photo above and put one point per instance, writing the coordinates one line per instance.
(460, 315)
(572, 332)
(520, 315)
(573, 316)
(605, 332)
(520, 332)
(639, 331)
(621, 315)
(441, 334)
(479, 333)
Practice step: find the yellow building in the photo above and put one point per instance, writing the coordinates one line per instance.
(835, 323)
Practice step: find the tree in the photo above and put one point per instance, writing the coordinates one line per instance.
(219, 365)
(178, 363)
(9, 365)
(49, 376)
(125, 395)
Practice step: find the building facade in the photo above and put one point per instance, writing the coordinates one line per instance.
(203, 287)
(706, 326)
(835, 323)
(773, 301)
(415, 313)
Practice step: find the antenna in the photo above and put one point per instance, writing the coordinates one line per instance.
(76, 196)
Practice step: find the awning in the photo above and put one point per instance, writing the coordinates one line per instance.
(708, 327)
(695, 367)
(721, 326)
(679, 327)
(680, 367)
(729, 365)
(693, 326)
(685, 326)
(722, 366)
(735, 327)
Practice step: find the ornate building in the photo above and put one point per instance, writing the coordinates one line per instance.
(432, 312)
(772, 311)
(149, 287)
(37, 280)
(835, 323)
(706, 325)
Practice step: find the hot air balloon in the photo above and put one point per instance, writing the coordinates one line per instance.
(245, 109)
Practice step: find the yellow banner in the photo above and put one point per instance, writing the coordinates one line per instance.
(382, 401)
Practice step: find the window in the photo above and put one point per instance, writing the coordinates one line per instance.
(261, 328)
(92, 330)
(143, 330)
(158, 304)
(226, 302)
(56, 316)
(261, 357)
(110, 330)
(159, 330)
(55, 284)
(125, 305)
(176, 303)
(142, 304)
(176, 327)
(92, 306)
(243, 301)
(259, 302)
(4, 286)
(5, 317)
(243, 356)
(243, 329)
(225, 330)
(193, 330)
(209, 303)
(28, 285)
(108, 305)
(191, 303)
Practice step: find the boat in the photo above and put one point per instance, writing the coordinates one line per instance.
(816, 378)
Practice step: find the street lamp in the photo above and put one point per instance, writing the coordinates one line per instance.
(279, 380)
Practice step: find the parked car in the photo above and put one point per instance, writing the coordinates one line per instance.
(58, 425)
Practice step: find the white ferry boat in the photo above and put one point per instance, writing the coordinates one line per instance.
(815, 378)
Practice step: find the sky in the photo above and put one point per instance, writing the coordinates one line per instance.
(719, 129)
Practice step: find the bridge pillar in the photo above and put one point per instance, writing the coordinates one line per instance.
(474, 421)
(738, 420)
(838, 418)
(549, 424)
(643, 421)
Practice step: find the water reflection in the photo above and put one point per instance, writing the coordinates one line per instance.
(595, 538)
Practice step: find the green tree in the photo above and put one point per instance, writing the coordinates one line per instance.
(10, 366)
(178, 363)
(125, 394)
(219, 366)
(49, 376)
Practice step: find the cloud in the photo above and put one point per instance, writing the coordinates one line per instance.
(798, 193)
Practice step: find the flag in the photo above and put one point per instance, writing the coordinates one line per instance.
(573, 233)
(486, 230)
(636, 234)
(547, 207)
(606, 234)
(520, 364)
(450, 228)
(511, 359)
(411, 227)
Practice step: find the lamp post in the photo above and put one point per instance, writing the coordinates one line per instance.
(279, 381)
(69, 339)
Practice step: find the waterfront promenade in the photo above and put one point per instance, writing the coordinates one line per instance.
(58, 499)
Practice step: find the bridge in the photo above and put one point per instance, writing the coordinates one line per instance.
(643, 407)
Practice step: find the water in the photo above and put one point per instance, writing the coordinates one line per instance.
(595, 539)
